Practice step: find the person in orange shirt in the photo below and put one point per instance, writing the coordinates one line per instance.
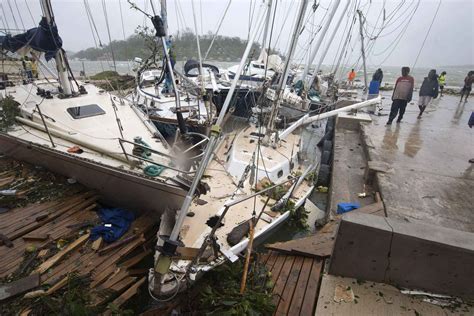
(351, 77)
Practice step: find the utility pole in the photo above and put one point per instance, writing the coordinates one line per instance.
(362, 46)
(60, 58)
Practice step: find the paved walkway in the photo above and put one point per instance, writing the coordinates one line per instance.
(430, 178)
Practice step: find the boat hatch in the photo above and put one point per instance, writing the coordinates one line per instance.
(84, 111)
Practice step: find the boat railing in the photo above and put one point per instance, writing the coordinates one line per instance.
(170, 159)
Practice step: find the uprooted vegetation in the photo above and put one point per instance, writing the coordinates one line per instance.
(9, 110)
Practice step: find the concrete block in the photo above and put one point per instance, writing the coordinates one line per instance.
(351, 121)
(362, 247)
(432, 258)
(405, 254)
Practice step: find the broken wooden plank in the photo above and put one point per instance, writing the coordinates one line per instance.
(318, 245)
(119, 301)
(6, 241)
(20, 286)
(96, 244)
(36, 236)
(54, 259)
(117, 244)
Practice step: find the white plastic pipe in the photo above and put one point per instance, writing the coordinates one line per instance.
(309, 119)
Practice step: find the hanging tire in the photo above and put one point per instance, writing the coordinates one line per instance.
(324, 175)
(326, 158)
(327, 136)
(327, 146)
(330, 123)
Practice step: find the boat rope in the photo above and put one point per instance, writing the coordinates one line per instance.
(104, 7)
(94, 26)
(5, 17)
(13, 14)
(31, 15)
(218, 29)
(427, 34)
(19, 15)
(121, 19)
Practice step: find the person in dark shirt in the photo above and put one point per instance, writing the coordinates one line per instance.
(467, 85)
(402, 94)
(428, 91)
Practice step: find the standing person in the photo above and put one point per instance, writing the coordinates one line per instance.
(351, 77)
(471, 124)
(402, 94)
(442, 83)
(467, 85)
(374, 86)
(428, 91)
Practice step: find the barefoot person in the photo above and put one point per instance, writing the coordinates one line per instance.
(402, 94)
(442, 83)
(467, 85)
(428, 91)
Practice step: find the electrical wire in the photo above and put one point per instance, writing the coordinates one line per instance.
(427, 34)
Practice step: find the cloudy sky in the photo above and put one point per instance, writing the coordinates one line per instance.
(399, 40)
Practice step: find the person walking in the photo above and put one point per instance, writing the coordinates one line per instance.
(402, 94)
(428, 91)
(442, 83)
(351, 77)
(466, 89)
(471, 124)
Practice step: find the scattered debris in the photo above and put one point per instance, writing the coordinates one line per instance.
(343, 293)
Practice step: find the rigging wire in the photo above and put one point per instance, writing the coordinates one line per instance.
(31, 15)
(121, 18)
(19, 15)
(218, 28)
(104, 7)
(5, 17)
(13, 14)
(427, 34)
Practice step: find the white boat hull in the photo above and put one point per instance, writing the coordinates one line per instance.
(115, 186)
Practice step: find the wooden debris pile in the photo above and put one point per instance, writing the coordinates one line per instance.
(43, 245)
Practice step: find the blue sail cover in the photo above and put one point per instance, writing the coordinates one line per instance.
(44, 38)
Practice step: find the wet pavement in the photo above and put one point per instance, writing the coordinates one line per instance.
(430, 178)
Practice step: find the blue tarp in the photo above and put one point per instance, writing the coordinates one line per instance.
(44, 38)
(374, 87)
(119, 221)
(347, 207)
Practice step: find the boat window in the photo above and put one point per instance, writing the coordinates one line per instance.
(84, 111)
(280, 174)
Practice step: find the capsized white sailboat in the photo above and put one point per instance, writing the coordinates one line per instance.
(96, 138)
(254, 176)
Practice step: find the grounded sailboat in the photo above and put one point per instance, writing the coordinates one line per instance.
(87, 134)
(256, 179)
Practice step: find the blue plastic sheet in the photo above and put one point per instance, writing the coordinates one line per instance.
(347, 207)
(115, 223)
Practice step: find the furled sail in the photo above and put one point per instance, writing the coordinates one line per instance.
(44, 38)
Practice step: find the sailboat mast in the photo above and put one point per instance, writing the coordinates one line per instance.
(362, 48)
(265, 31)
(331, 38)
(60, 58)
(320, 40)
(164, 15)
(286, 68)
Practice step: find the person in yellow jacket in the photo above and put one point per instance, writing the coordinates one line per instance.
(441, 83)
(34, 68)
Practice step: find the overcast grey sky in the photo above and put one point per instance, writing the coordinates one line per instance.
(450, 42)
